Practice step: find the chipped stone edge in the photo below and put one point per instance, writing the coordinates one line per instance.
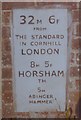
(0, 60)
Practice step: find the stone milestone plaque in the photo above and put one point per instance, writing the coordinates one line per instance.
(39, 42)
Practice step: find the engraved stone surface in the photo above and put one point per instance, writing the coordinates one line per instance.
(39, 47)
